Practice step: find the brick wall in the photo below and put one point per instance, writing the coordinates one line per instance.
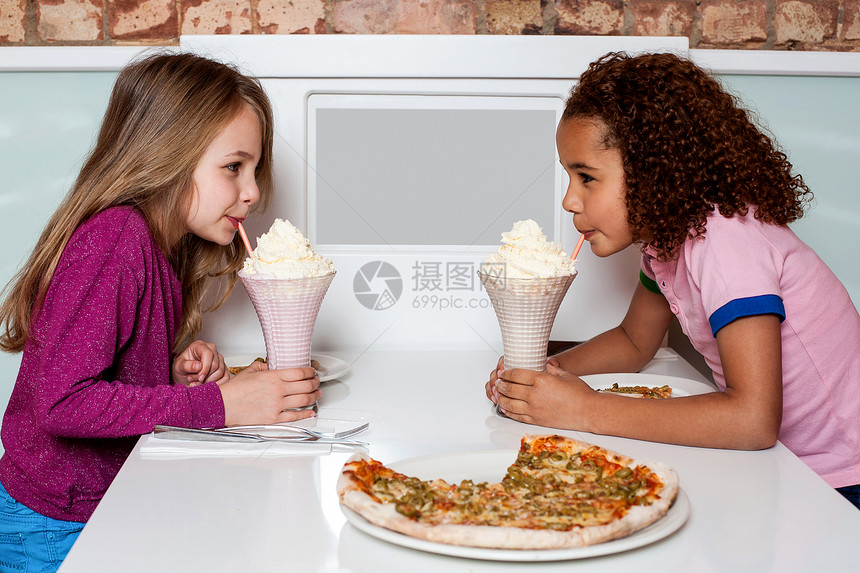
(831, 25)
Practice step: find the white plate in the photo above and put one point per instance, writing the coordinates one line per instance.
(491, 465)
(680, 386)
(330, 367)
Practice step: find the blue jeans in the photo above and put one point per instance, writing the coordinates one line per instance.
(851, 493)
(31, 542)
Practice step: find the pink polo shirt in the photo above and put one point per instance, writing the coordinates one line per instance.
(743, 267)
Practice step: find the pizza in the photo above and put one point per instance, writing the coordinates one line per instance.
(558, 493)
(236, 369)
(654, 393)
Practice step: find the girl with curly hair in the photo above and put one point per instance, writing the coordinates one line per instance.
(660, 155)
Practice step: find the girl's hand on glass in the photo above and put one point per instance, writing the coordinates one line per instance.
(199, 363)
(490, 386)
(257, 395)
(548, 398)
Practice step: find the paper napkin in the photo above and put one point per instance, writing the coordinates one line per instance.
(155, 447)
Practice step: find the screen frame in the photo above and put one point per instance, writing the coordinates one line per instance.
(405, 100)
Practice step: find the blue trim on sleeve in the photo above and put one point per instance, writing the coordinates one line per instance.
(749, 306)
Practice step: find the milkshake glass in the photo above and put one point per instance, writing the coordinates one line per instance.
(526, 309)
(287, 310)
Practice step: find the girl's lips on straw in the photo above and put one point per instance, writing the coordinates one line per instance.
(235, 221)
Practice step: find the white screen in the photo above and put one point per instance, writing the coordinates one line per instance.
(430, 170)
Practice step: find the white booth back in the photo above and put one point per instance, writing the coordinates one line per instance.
(404, 157)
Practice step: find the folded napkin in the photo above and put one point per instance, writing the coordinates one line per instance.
(155, 447)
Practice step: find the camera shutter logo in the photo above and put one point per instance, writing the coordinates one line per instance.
(377, 285)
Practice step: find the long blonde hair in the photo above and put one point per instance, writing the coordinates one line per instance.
(163, 112)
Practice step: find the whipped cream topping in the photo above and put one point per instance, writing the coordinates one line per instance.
(284, 253)
(527, 254)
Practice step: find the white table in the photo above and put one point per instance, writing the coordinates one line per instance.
(750, 511)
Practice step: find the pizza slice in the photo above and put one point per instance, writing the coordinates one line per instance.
(236, 369)
(652, 393)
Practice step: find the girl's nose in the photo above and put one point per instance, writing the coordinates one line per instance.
(250, 193)
(571, 202)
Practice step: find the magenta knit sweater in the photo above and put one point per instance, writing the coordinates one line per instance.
(95, 373)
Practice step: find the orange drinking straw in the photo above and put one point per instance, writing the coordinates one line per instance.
(245, 239)
(575, 249)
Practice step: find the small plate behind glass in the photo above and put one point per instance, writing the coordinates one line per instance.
(490, 465)
(680, 386)
(330, 367)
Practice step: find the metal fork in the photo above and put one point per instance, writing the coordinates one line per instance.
(179, 433)
(302, 430)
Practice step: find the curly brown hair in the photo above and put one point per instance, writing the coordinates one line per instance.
(688, 148)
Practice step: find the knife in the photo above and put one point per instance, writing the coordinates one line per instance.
(178, 433)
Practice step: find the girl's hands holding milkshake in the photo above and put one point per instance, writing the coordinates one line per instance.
(496, 374)
(490, 386)
(541, 398)
(258, 395)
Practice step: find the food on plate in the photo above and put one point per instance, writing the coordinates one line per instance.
(527, 254)
(283, 252)
(558, 493)
(237, 369)
(315, 364)
(653, 393)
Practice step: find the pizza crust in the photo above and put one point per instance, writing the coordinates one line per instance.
(636, 518)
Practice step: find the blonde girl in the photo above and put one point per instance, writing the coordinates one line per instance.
(107, 306)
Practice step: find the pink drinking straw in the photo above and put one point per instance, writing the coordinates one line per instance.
(575, 249)
(245, 239)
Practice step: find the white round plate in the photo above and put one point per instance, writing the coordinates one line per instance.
(242, 360)
(680, 386)
(491, 465)
(330, 367)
